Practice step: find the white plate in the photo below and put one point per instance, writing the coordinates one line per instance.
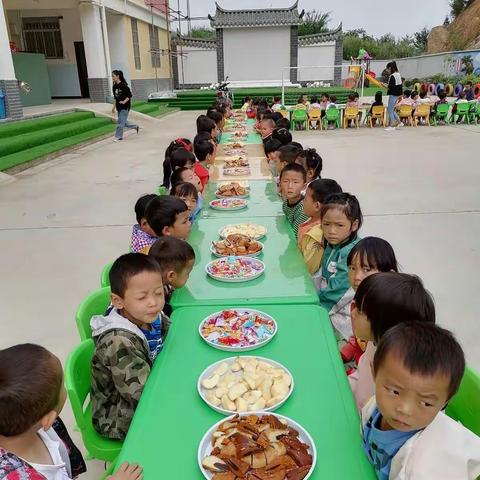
(243, 205)
(236, 171)
(257, 254)
(208, 372)
(227, 348)
(259, 230)
(235, 279)
(205, 446)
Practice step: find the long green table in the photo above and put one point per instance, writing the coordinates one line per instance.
(262, 202)
(171, 418)
(285, 281)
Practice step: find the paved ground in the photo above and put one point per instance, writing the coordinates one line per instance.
(62, 221)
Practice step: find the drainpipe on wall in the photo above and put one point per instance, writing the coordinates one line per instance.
(106, 47)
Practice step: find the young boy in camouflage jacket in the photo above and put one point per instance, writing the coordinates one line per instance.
(127, 341)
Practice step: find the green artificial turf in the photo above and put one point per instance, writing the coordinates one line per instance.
(36, 138)
(33, 153)
(153, 109)
(27, 126)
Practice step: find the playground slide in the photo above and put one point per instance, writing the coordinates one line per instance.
(374, 81)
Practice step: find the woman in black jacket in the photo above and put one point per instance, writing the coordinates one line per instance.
(123, 96)
(394, 91)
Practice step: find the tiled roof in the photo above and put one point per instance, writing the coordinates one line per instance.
(265, 17)
(195, 42)
(320, 37)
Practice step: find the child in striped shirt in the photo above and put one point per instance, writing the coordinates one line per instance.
(293, 179)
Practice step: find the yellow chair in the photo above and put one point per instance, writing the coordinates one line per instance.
(315, 115)
(284, 113)
(422, 111)
(405, 112)
(350, 114)
(378, 113)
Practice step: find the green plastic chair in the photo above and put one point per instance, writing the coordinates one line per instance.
(331, 115)
(465, 405)
(463, 110)
(77, 382)
(474, 114)
(104, 277)
(299, 116)
(95, 304)
(441, 113)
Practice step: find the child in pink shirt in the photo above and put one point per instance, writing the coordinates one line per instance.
(382, 301)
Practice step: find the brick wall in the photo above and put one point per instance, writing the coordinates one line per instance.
(99, 90)
(293, 53)
(13, 104)
(337, 71)
(141, 88)
(220, 63)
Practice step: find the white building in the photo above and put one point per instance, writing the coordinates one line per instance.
(253, 47)
(75, 44)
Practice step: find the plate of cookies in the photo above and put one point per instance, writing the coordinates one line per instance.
(237, 245)
(263, 446)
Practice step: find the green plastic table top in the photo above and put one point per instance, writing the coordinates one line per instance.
(262, 202)
(252, 137)
(171, 418)
(285, 280)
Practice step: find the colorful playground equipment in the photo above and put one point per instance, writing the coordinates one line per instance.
(359, 65)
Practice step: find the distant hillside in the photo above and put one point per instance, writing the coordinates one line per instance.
(462, 34)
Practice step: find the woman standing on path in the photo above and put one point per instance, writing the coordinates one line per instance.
(394, 91)
(122, 95)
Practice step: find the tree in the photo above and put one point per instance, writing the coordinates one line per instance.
(458, 6)
(420, 39)
(314, 22)
(202, 32)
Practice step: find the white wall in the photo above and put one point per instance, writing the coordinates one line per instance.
(116, 41)
(256, 53)
(200, 65)
(428, 65)
(62, 72)
(312, 55)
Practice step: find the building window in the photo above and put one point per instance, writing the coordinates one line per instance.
(42, 35)
(154, 46)
(136, 45)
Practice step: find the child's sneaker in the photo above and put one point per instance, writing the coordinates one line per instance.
(401, 124)
(389, 129)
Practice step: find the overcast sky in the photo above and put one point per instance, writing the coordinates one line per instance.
(375, 16)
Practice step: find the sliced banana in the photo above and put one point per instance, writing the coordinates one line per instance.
(221, 369)
(279, 389)
(237, 391)
(241, 405)
(258, 405)
(210, 396)
(227, 404)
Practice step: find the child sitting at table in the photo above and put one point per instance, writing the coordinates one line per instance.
(302, 103)
(185, 174)
(168, 215)
(247, 104)
(312, 162)
(265, 128)
(382, 301)
(331, 104)
(187, 192)
(142, 235)
(179, 158)
(277, 104)
(418, 368)
(283, 135)
(378, 102)
(292, 182)
(127, 342)
(34, 442)
(272, 148)
(283, 123)
(205, 153)
(176, 258)
(286, 154)
(442, 99)
(219, 120)
(370, 255)
(310, 235)
(178, 144)
(406, 99)
(341, 219)
(352, 101)
(205, 124)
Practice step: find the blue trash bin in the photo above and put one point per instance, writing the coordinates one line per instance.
(3, 110)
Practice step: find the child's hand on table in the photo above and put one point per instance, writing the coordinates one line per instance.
(128, 472)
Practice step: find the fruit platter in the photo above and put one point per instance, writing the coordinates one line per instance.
(238, 330)
(229, 204)
(237, 245)
(245, 384)
(257, 446)
(235, 269)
